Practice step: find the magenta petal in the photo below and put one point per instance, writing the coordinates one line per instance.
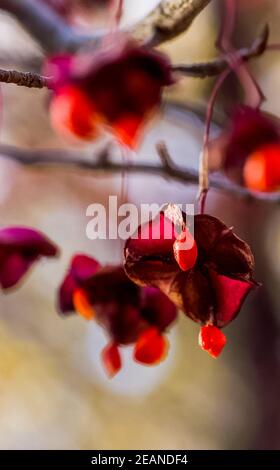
(24, 238)
(123, 322)
(84, 267)
(192, 292)
(59, 68)
(12, 269)
(149, 254)
(230, 295)
(157, 309)
(111, 284)
(65, 295)
(20, 247)
(122, 308)
(221, 249)
(153, 239)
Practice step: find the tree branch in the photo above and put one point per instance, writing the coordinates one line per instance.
(27, 79)
(102, 163)
(51, 31)
(218, 65)
(199, 70)
(169, 19)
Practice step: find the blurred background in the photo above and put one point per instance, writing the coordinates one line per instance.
(53, 391)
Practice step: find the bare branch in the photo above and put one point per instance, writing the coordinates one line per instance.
(49, 29)
(164, 155)
(52, 157)
(199, 70)
(167, 20)
(217, 66)
(27, 79)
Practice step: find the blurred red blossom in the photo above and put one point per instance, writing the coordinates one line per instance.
(121, 83)
(212, 290)
(251, 149)
(20, 247)
(129, 314)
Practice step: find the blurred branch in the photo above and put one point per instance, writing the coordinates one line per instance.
(102, 163)
(169, 19)
(217, 66)
(199, 70)
(54, 34)
(49, 29)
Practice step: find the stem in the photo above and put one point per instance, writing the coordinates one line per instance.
(253, 93)
(234, 60)
(203, 161)
(223, 42)
(218, 65)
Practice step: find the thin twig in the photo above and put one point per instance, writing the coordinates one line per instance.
(52, 157)
(204, 155)
(254, 96)
(218, 65)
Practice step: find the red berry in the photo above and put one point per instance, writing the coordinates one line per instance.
(185, 250)
(262, 169)
(111, 359)
(72, 113)
(212, 340)
(151, 347)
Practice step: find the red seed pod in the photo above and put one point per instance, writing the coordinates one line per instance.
(262, 169)
(111, 359)
(212, 340)
(151, 347)
(185, 250)
(214, 290)
(72, 113)
(124, 83)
